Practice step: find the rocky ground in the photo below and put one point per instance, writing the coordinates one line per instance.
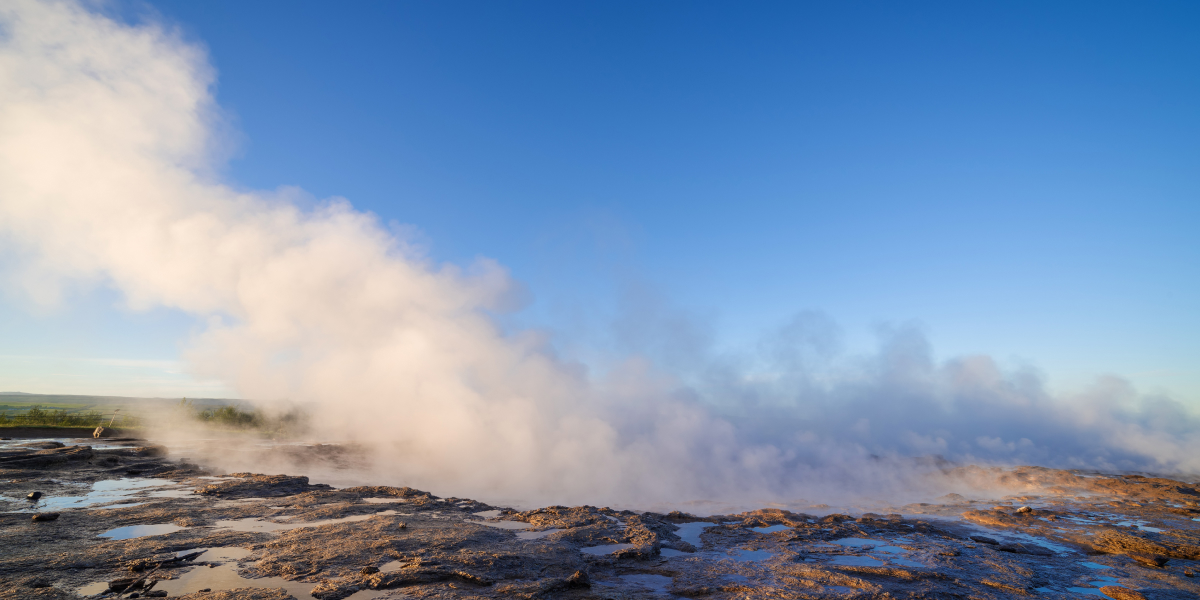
(133, 523)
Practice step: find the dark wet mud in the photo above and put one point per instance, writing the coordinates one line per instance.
(134, 523)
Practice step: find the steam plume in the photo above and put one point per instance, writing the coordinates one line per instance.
(109, 154)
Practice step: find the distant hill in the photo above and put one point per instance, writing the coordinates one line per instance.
(19, 402)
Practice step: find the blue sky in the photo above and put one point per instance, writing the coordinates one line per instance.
(1019, 179)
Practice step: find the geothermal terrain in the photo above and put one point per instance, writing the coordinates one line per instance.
(119, 518)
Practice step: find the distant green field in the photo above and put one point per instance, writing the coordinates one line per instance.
(40, 410)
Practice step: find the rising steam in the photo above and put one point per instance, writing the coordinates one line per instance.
(109, 162)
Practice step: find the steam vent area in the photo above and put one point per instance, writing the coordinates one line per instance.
(117, 518)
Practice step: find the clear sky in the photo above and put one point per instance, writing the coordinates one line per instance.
(1019, 179)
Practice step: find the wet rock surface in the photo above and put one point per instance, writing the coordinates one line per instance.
(174, 529)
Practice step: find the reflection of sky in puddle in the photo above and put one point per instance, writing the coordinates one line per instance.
(690, 532)
(606, 549)
(134, 531)
(772, 529)
(503, 524)
(113, 490)
(487, 514)
(225, 577)
(741, 555)
(1092, 565)
(855, 542)
(1092, 591)
(672, 553)
(856, 561)
(254, 524)
(536, 535)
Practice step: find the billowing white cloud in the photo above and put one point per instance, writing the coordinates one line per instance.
(108, 162)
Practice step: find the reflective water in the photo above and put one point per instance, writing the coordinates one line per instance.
(1092, 565)
(857, 542)
(113, 490)
(772, 529)
(536, 535)
(503, 524)
(856, 561)
(224, 576)
(487, 514)
(741, 555)
(690, 532)
(1090, 591)
(134, 531)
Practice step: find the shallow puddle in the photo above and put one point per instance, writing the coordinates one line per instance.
(536, 535)
(113, 490)
(1090, 591)
(857, 542)
(855, 561)
(1092, 565)
(749, 555)
(771, 529)
(690, 532)
(135, 531)
(225, 577)
(510, 525)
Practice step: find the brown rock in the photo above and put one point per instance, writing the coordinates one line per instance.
(1150, 560)
(1120, 593)
(43, 517)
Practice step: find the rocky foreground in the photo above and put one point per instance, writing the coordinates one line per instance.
(119, 519)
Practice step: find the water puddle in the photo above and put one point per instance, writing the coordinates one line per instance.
(690, 532)
(672, 553)
(1091, 591)
(772, 529)
(858, 542)
(224, 576)
(510, 525)
(1092, 565)
(605, 549)
(113, 490)
(536, 535)
(135, 531)
(749, 555)
(255, 524)
(856, 561)
(487, 514)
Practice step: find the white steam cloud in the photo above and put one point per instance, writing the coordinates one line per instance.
(109, 155)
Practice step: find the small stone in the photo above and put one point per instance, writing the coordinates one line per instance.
(1024, 509)
(206, 590)
(579, 579)
(34, 496)
(1150, 560)
(369, 570)
(1120, 593)
(43, 517)
(983, 539)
